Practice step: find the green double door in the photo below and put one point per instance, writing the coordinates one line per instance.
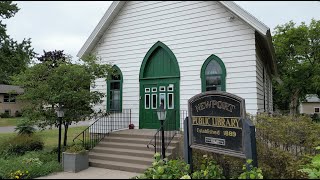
(155, 93)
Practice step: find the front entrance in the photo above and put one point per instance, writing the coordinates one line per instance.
(159, 84)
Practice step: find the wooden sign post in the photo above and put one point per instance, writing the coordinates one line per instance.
(217, 123)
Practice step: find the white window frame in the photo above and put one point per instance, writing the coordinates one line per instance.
(145, 102)
(315, 109)
(162, 88)
(154, 89)
(172, 101)
(147, 90)
(164, 95)
(170, 86)
(152, 101)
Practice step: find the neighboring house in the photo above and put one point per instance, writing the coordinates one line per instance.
(8, 102)
(168, 51)
(311, 105)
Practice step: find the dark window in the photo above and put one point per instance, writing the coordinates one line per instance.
(7, 111)
(114, 94)
(316, 110)
(9, 98)
(213, 74)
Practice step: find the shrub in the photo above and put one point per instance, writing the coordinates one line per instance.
(20, 144)
(163, 169)
(313, 168)
(76, 148)
(231, 166)
(284, 144)
(18, 114)
(30, 165)
(25, 128)
(208, 170)
(5, 115)
(253, 173)
(19, 175)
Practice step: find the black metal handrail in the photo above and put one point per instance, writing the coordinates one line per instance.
(170, 130)
(100, 128)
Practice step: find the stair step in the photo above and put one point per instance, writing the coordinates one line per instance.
(130, 152)
(114, 165)
(131, 140)
(121, 158)
(143, 136)
(128, 146)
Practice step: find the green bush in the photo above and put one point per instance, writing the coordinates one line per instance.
(313, 168)
(30, 165)
(285, 143)
(208, 170)
(231, 166)
(25, 127)
(253, 173)
(20, 144)
(5, 115)
(76, 148)
(163, 169)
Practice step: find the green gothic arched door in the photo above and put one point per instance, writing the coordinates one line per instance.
(159, 85)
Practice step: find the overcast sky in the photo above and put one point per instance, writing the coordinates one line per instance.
(66, 25)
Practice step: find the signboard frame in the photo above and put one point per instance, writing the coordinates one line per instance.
(237, 99)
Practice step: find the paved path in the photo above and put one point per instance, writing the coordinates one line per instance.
(92, 173)
(9, 129)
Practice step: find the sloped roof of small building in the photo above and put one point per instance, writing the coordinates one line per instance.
(262, 30)
(312, 98)
(5, 89)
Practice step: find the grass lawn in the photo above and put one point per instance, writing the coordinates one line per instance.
(50, 137)
(10, 121)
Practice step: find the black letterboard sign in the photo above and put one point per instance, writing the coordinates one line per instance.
(216, 122)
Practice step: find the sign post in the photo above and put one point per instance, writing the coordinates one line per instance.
(217, 123)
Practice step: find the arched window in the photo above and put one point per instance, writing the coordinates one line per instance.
(114, 91)
(213, 74)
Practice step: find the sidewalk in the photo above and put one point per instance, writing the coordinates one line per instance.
(92, 173)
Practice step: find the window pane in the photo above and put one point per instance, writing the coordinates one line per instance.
(147, 101)
(213, 88)
(114, 85)
(213, 80)
(213, 68)
(6, 98)
(162, 99)
(170, 101)
(13, 98)
(154, 101)
(115, 95)
(317, 110)
(115, 105)
(115, 77)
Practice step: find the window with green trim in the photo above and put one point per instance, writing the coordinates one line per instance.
(213, 75)
(114, 91)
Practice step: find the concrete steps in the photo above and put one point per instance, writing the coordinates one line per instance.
(126, 151)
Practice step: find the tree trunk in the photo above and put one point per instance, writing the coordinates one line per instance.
(294, 103)
(66, 126)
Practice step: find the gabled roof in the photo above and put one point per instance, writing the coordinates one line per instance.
(6, 89)
(115, 7)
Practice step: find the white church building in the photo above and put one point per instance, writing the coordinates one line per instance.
(168, 51)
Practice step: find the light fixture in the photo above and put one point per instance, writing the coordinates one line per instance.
(162, 113)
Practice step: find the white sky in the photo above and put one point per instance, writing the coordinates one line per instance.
(66, 25)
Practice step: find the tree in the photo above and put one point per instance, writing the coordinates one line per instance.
(14, 56)
(56, 81)
(297, 50)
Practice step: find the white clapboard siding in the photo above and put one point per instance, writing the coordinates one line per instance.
(193, 30)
